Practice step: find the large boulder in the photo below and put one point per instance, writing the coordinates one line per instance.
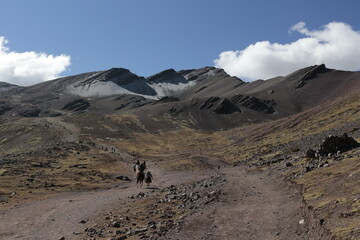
(334, 144)
(310, 153)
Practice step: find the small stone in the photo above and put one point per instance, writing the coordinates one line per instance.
(122, 237)
(116, 224)
(288, 164)
(118, 232)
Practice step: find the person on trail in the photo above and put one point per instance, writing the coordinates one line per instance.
(148, 178)
(136, 166)
(142, 167)
(144, 164)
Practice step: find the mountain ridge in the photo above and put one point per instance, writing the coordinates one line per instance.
(233, 101)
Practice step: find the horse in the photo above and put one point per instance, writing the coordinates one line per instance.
(140, 175)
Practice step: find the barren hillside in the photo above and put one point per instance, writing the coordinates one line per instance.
(230, 159)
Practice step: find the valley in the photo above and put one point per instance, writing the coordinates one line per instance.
(229, 158)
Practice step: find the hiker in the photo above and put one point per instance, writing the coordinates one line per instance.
(148, 178)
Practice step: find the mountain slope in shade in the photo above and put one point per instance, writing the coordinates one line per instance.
(7, 86)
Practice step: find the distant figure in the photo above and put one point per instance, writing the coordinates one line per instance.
(136, 166)
(148, 178)
(144, 165)
(140, 175)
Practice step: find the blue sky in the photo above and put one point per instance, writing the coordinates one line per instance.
(149, 36)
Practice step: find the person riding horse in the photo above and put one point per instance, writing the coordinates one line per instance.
(140, 175)
(136, 166)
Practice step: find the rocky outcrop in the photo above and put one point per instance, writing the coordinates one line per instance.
(311, 73)
(77, 105)
(167, 99)
(28, 112)
(119, 76)
(226, 107)
(209, 103)
(334, 144)
(167, 76)
(254, 103)
(202, 74)
(131, 101)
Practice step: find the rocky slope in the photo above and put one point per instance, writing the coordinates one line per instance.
(205, 98)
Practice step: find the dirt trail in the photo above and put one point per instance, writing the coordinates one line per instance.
(254, 206)
(59, 216)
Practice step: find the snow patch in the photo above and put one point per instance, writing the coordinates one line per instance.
(93, 86)
(100, 89)
(165, 89)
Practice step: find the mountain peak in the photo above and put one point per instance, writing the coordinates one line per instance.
(167, 76)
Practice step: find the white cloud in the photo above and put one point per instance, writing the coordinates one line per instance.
(28, 68)
(336, 44)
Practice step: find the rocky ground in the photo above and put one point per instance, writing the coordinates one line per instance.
(68, 178)
(226, 203)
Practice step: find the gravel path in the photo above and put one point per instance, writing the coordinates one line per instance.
(59, 216)
(253, 206)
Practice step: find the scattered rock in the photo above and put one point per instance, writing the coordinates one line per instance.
(122, 237)
(310, 153)
(116, 224)
(123, 178)
(288, 164)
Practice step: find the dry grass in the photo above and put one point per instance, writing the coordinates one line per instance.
(334, 192)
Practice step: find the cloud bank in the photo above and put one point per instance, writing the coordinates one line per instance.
(336, 44)
(28, 68)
